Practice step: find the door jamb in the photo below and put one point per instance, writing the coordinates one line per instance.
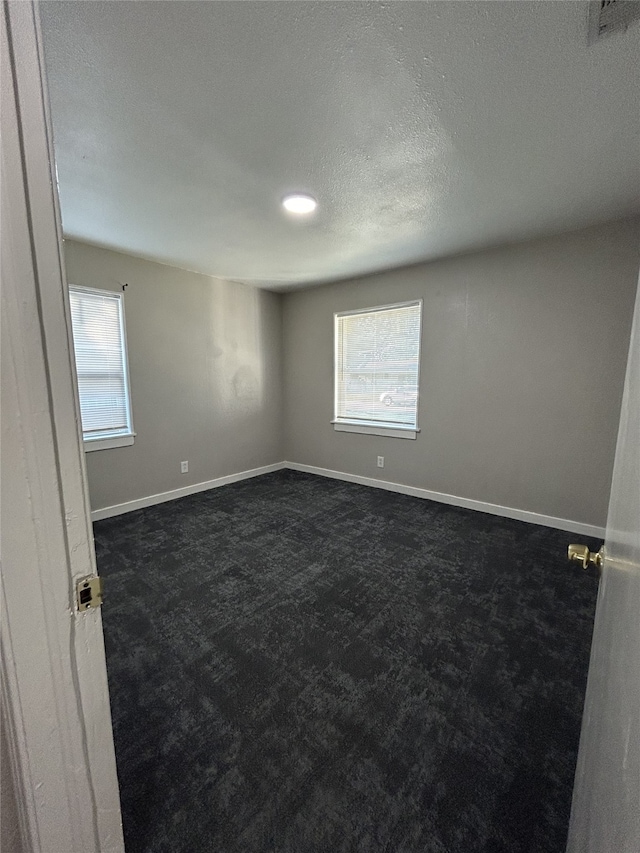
(55, 700)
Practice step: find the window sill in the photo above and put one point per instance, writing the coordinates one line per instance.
(107, 443)
(390, 430)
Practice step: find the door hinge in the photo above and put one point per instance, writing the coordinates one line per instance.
(89, 592)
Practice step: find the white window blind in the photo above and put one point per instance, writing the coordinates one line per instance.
(97, 319)
(377, 366)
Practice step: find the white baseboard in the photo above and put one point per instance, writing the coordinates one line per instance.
(453, 500)
(416, 492)
(162, 497)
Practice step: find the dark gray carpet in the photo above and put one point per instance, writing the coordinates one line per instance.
(299, 665)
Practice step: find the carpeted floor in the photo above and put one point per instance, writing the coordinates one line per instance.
(300, 665)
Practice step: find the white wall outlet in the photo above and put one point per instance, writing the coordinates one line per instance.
(184, 467)
(380, 461)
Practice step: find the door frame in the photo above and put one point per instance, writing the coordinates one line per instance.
(54, 698)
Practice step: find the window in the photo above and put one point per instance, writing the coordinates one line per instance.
(97, 319)
(377, 358)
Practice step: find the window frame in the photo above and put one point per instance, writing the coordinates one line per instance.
(122, 439)
(388, 429)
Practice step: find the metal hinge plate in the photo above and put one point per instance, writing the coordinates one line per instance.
(89, 592)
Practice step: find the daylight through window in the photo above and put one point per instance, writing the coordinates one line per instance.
(377, 365)
(97, 319)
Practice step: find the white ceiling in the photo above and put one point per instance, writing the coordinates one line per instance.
(423, 129)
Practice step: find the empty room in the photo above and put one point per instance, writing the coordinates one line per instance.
(321, 427)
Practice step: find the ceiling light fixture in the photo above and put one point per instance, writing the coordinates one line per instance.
(299, 203)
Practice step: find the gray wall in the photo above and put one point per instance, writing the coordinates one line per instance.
(523, 360)
(206, 375)
(10, 841)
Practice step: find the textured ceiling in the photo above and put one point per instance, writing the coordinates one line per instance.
(423, 129)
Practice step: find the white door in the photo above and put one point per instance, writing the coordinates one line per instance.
(605, 814)
(54, 699)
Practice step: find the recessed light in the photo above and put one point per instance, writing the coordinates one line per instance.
(299, 203)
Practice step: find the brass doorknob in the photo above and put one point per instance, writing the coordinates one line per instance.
(583, 555)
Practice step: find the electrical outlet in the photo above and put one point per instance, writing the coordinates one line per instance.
(380, 461)
(184, 467)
